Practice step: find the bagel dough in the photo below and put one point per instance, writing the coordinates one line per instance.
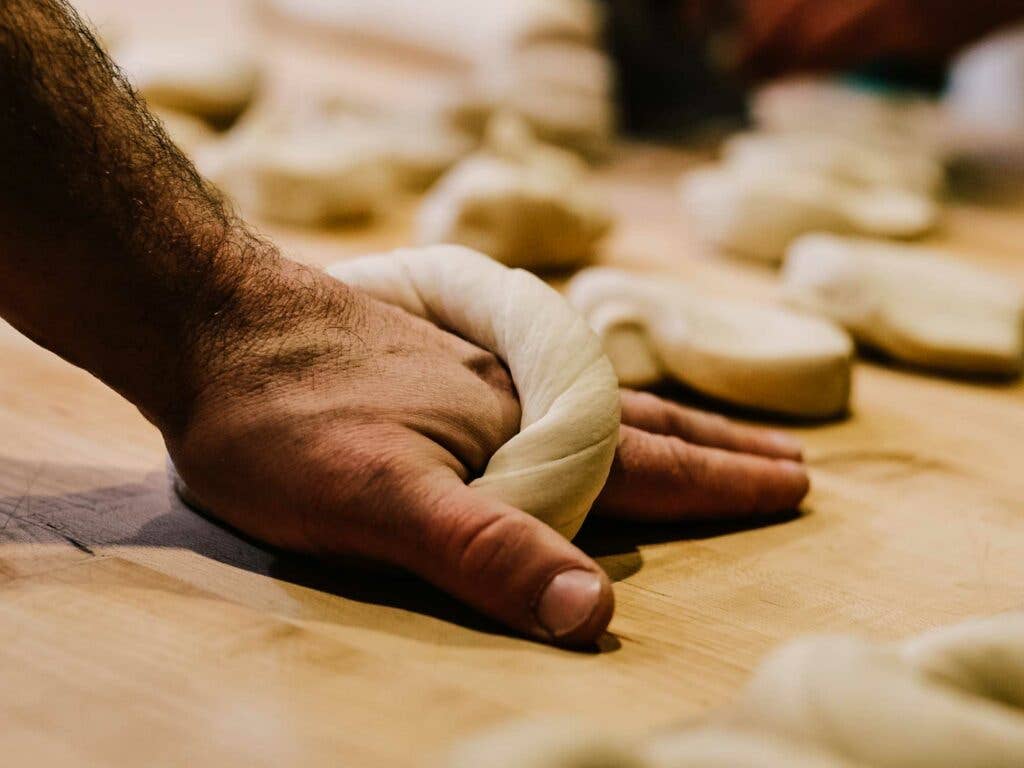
(918, 305)
(654, 328)
(521, 202)
(203, 78)
(758, 212)
(310, 173)
(847, 160)
(826, 106)
(558, 463)
(952, 698)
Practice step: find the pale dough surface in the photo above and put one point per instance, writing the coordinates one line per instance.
(206, 78)
(758, 211)
(305, 172)
(655, 327)
(521, 202)
(822, 105)
(918, 305)
(557, 464)
(952, 698)
(857, 161)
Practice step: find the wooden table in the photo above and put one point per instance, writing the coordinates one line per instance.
(133, 632)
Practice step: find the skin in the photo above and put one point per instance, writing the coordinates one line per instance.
(298, 410)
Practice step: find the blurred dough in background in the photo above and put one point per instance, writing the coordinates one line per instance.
(860, 162)
(918, 305)
(211, 79)
(188, 132)
(523, 203)
(898, 122)
(539, 58)
(756, 211)
(300, 169)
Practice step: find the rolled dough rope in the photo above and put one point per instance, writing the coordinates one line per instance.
(850, 161)
(557, 464)
(953, 698)
(918, 305)
(771, 359)
(882, 707)
(202, 78)
(759, 212)
(522, 203)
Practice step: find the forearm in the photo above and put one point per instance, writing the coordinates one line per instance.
(113, 252)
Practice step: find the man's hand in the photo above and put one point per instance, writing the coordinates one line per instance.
(348, 427)
(298, 410)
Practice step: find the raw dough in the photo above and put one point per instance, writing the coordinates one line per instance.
(850, 161)
(953, 698)
(562, 89)
(654, 328)
(305, 173)
(460, 30)
(918, 305)
(204, 78)
(986, 83)
(758, 212)
(822, 105)
(521, 202)
(557, 464)
(876, 706)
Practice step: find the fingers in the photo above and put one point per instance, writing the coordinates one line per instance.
(652, 414)
(662, 478)
(504, 563)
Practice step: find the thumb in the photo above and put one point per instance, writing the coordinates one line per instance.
(505, 564)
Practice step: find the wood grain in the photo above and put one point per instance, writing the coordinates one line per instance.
(134, 632)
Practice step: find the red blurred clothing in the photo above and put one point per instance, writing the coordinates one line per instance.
(783, 35)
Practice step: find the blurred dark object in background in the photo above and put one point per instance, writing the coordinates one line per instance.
(683, 62)
(674, 69)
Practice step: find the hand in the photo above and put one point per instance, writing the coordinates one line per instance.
(347, 427)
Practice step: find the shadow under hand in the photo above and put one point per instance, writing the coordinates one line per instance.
(615, 544)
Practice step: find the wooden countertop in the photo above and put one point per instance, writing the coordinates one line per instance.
(133, 632)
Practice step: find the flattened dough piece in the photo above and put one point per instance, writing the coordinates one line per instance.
(203, 78)
(557, 464)
(864, 703)
(311, 174)
(654, 328)
(758, 212)
(824, 105)
(520, 202)
(852, 161)
(918, 305)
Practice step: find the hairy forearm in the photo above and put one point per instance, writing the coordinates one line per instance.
(113, 251)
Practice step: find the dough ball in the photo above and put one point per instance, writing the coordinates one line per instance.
(305, 173)
(520, 202)
(204, 78)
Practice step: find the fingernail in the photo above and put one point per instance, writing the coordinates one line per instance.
(786, 444)
(568, 601)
